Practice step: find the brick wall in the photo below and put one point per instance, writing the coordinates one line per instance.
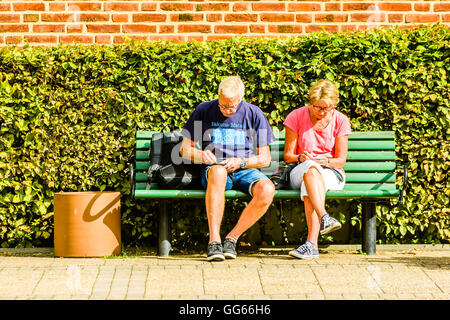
(52, 22)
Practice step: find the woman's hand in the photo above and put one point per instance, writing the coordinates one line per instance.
(323, 161)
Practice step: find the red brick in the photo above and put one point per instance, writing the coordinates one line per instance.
(186, 17)
(121, 6)
(84, 6)
(240, 7)
(41, 38)
(304, 17)
(277, 17)
(13, 40)
(231, 29)
(103, 28)
(28, 6)
(331, 17)
(57, 17)
(275, 6)
(358, 6)
(176, 6)
(103, 39)
(214, 17)
(76, 39)
(421, 18)
(257, 28)
(6, 17)
(5, 7)
(148, 7)
(166, 29)
(391, 6)
(422, 6)
(49, 28)
(94, 17)
(285, 28)
(138, 28)
(30, 17)
(149, 17)
(368, 17)
(74, 28)
(446, 17)
(195, 38)
(316, 28)
(241, 17)
(14, 28)
(441, 7)
(219, 37)
(122, 39)
(212, 7)
(119, 17)
(185, 28)
(57, 6)
(304, 7)
(171, 38)
(395, 17)
(332, 7)
(348, 27)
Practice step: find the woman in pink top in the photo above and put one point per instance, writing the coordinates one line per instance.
(317, 138)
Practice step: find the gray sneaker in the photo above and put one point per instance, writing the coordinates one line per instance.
(215, 252)
(305, 251)
(329, 224)
(229, 248)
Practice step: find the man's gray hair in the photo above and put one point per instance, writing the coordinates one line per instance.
(231, 87)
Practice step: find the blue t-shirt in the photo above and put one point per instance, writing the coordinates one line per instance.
(236, 136)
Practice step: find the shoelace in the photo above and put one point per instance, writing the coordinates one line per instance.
(215, 246)
(306, 248)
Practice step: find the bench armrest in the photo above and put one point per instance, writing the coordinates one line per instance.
(132, 180)
(405, 181)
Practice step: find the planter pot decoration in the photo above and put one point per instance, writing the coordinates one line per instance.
(87, 224)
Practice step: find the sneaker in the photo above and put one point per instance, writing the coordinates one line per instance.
(229, 248)
(305, 251)
(215, 252)
(329, 224)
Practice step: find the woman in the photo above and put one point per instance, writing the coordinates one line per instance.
(317, 138)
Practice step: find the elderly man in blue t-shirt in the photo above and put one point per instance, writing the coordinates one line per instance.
(234, 137)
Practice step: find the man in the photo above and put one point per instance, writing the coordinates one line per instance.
(234, 137)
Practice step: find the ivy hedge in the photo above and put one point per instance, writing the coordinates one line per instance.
(68, 117)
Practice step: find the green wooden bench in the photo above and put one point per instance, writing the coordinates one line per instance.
(370, 177)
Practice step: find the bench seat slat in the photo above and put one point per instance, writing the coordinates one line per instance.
(279, 194)
(350, 177)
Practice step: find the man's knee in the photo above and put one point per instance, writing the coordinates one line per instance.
(217, 173)
(264, 190)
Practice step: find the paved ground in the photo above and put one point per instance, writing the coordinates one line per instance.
(338, 274)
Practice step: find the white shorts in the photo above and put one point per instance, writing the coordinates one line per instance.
(330, 178)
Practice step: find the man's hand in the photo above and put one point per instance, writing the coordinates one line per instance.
(208, 157)
(231, 164)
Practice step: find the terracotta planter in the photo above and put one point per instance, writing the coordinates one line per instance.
(87, 224)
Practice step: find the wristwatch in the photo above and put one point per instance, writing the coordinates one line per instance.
(243, 163)
(298, 159)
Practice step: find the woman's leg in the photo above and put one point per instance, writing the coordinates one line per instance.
(314, 202)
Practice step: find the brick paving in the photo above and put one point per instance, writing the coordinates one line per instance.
(336, 275)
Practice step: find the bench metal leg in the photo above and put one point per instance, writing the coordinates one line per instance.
(164, 245)
(369, 227)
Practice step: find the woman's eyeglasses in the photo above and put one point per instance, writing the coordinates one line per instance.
(324, 109)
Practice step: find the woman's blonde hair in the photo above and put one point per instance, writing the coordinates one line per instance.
(324, 90)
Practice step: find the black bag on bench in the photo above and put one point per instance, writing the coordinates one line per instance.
(168, 169)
